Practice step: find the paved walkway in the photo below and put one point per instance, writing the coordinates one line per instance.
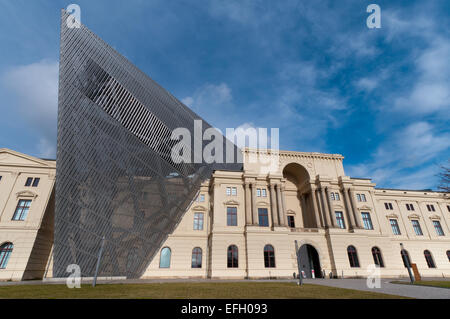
(419, 292)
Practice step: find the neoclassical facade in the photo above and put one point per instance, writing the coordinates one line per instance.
(244, 224)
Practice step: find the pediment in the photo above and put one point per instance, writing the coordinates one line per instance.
(414, 216)
(199, 208)
(26, 194)
(231, 202)
(392, 216)
(435, 217)
(261, 203)
(365, 207)
(13, 158)
(290, 211)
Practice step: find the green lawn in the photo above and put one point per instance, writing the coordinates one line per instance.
(431, 283)
(259, 290)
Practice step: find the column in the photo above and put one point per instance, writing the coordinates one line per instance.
(350, 215)
(331, 206)
(315, 208)
(299, 223)
(255, 211)
(321, 209)
(280, 204)
(355, 208)
(273, 205)
(283, 220)
(326, 210)
(248, 204)
(304, 209)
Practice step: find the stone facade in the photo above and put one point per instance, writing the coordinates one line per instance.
(305, 188)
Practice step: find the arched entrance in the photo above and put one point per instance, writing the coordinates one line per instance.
(309, 260)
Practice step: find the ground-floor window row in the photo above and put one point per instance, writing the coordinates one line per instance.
(5, 253)
(269, 257)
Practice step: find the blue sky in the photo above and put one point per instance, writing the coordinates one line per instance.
(380, 97)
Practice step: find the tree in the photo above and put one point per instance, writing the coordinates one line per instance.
(444, 175)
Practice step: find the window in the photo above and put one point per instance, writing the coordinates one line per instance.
(231, 191)
(1, 178)
(340, 220)
(431, 208)
(22, 209)
(448, 255)
(232, 257)
(164, 261)
(367, 221)
(377, 259)
(196, 258)
(448, 208)
(352, 257)
(405, 258)
(263, 217)
(388, 206)
(36, 182)
(269, 256)
(409, 206)
(32, 182)
(429, 259)
(198, 221)
(201, 198)
(29, 181)
(334, 196)
(417, 229)
(291, 221)
(261, 192)
(361, 197)
(231, 216)
(395, 228)
(438, 228)
(5, 252)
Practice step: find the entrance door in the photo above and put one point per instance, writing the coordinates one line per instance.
(309, 260)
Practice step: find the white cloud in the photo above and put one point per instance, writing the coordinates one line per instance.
(418, 144)
(209, 96)
(34, 89)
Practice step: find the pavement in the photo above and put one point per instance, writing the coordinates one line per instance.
(386, 285)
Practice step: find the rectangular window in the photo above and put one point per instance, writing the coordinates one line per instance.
(332, 196)
(231, 216)
(263, 217)
(1, 178)
(388, 206)
(233, 191)
(228, 191)
(36, 182)
(417, 228)
(430, 208)
(201, 198)
(395, 228)
(358, 196)
(336, 196)
(291, 221)
(438, 228)
(367, 221)
(29, 181)
(258, 192)
(22, 209)
(340, 220)
(263, 192)
(198, 221)
(448, 208)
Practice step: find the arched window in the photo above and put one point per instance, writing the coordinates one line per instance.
(269, 256)
(429, 259)
(164, 261)
(352, 256)
(448, 253)
(405, 258)
(377, 258)
(232, 257)
(197, 257)
(5, 252)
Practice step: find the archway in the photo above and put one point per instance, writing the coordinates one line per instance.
(309, 260)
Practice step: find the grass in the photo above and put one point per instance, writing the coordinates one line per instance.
(430, 283)
(276, 290)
